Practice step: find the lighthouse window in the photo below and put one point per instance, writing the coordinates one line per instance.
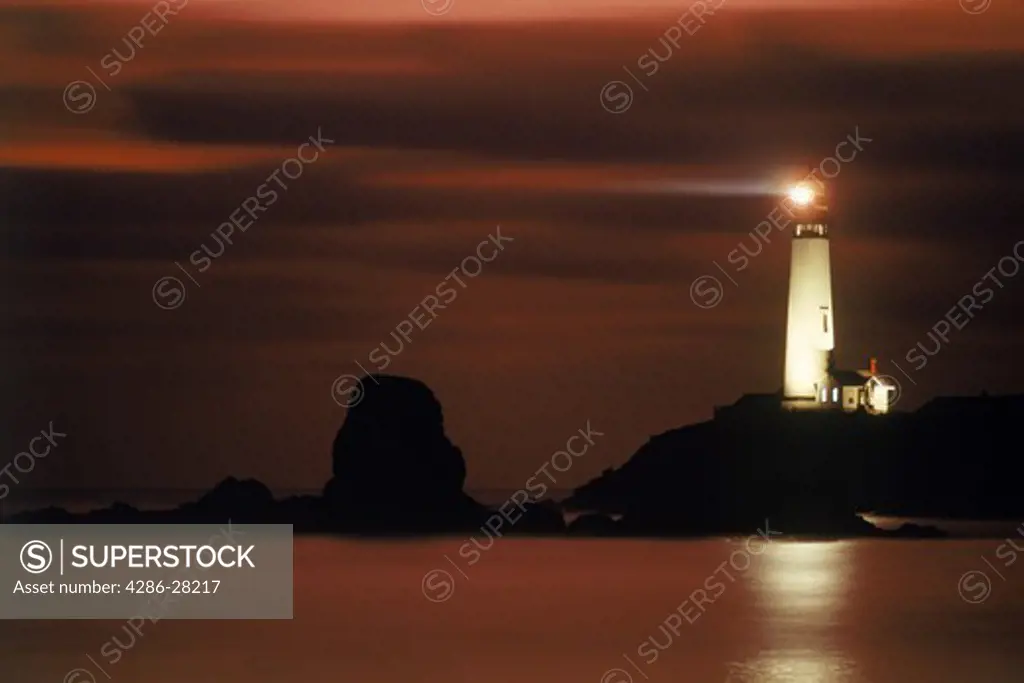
(824, 322)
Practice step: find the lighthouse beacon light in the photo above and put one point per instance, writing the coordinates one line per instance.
(801, 195)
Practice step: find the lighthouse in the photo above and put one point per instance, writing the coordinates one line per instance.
(810, 325)
(810, 379)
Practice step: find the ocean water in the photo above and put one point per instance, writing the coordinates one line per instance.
(586, 611)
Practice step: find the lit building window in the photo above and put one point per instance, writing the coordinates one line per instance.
(824, 394)
(835, 394)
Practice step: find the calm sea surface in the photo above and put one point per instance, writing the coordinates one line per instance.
(587, 611)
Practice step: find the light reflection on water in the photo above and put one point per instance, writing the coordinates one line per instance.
(802, 588)
(797, 666)
(809, 577)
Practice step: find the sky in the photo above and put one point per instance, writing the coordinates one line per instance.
(621, 181)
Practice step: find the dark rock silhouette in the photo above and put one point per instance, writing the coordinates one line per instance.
(917, 531)
(239, 500)
(595, 524)
(304, 513)
(810, 473)
(394, 467)
(47, 515)
(115, 514)
(538, 517)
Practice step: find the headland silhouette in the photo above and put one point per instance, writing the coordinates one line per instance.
(396, 472)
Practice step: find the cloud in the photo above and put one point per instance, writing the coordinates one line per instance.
(446, 127)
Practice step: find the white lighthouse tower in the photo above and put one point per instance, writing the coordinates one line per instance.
(810, 330)
(810, 379)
